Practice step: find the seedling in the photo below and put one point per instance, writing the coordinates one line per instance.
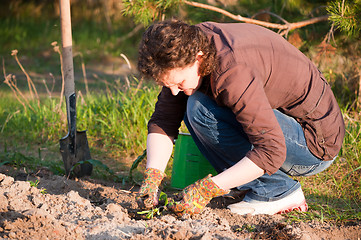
(43, 191)
(151, 213)
(247, 227)
(35, 184)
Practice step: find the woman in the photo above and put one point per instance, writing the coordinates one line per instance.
(258, 109)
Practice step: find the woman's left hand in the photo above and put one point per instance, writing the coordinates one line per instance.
(196, 196)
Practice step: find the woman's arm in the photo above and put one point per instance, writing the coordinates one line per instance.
(159, 150)
(241, 173)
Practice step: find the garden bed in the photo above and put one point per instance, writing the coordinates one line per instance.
(47, 206)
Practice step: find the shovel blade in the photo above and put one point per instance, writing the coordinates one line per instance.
(71, 155)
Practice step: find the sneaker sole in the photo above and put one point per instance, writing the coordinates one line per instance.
(303, 207)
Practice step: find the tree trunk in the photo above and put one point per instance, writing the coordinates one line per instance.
(359, 89)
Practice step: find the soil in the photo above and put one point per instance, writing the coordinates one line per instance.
(61, 208)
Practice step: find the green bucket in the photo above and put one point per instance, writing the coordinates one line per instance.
(189, 165)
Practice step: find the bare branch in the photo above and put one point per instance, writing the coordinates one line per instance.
(30, 82)
(272, 14)
(131, 33)
(284, 27)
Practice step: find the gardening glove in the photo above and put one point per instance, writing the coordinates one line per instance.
(196, 196)
(148, 194)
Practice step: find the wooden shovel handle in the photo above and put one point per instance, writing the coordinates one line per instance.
(66, 38)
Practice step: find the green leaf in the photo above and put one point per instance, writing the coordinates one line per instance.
(144, 212)
(95, 163)
(4, 163)
(136, 163)
(163, 197)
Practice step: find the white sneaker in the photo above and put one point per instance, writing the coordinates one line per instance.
(294, 201)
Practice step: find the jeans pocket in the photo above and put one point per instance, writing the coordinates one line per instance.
(302, 170)
(309, 170)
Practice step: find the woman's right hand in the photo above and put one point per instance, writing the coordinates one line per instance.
(148, 195)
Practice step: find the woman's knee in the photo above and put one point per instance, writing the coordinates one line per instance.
(198, 106)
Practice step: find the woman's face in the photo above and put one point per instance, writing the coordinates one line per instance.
(186, 79)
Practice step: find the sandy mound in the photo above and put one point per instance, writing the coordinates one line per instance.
(59, 208)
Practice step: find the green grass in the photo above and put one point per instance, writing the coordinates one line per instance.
(119, 121)
(115, 120)
(29, 163)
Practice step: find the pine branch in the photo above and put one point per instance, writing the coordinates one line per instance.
(346, 15)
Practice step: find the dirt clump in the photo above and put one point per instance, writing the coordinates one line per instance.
(60, 208)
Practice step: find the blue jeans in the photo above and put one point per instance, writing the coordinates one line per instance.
(221, 139)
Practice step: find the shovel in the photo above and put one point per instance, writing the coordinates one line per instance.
(74, 146)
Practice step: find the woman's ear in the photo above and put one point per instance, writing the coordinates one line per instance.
(199, 56)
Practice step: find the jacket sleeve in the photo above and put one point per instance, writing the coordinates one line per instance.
(168, 114)
(241, 90)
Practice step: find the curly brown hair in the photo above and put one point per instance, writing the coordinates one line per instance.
(174, 44)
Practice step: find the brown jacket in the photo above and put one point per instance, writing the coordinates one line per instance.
(259, 71)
